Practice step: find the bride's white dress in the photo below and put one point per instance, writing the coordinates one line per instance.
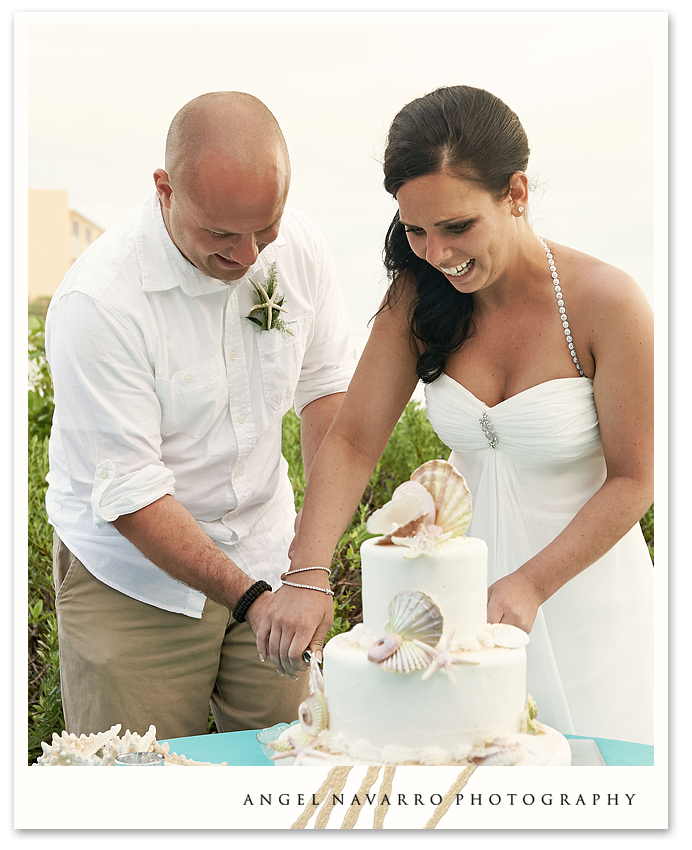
(590, 665)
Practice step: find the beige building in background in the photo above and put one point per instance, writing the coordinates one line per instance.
(57, 236)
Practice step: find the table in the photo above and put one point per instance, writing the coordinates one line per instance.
(240, 749)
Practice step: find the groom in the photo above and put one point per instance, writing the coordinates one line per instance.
(168, 493)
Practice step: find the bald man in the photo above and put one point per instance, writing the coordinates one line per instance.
(173, 365)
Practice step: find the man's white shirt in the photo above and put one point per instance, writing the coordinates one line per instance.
(163, 386)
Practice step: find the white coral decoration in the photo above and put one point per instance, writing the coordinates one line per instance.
(316, 679)
(434, 755)
(500, 752)
(102, 748)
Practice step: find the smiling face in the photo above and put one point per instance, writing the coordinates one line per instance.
(224, 215)
(459, 228)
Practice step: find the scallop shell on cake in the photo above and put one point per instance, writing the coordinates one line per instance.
(414, 616)
(415, 622)
(407, 659)
(451, 495)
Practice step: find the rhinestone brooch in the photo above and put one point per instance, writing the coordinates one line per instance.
(488, 430)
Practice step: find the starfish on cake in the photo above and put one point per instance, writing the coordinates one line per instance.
(444, 660)
(300, 750)
(423, 542)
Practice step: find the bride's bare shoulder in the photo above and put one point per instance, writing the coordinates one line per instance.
(594, 284)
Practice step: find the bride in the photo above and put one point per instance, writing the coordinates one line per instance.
(538, 369)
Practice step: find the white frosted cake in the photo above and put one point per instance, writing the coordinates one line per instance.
(424, 679)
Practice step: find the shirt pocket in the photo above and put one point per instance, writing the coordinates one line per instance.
(192, 398)
(281, 359)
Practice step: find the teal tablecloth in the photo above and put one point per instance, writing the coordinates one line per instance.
(241, 749)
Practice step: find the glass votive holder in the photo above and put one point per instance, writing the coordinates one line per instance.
(139, 760)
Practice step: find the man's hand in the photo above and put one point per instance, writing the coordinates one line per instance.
(288, 622)
(514, 599)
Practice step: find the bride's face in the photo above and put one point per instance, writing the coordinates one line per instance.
(458, 227)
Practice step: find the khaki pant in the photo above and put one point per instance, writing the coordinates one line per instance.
(123, 661)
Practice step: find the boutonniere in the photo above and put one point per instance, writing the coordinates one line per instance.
(269, 305)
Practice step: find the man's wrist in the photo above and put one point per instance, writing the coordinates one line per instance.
(246, 600)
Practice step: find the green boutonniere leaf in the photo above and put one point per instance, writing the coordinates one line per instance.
(269, 305)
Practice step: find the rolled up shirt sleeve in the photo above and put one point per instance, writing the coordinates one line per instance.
(108, 416)
(112, 497)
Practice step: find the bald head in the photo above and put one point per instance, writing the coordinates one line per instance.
(225, 184)
(229, 125)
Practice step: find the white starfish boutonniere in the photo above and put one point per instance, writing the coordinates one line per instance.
(269, 305)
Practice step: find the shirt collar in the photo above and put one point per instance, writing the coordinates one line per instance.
(164, 267)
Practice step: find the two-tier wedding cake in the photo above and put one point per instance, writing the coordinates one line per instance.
(424, 679)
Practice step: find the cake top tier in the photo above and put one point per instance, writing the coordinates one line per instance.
(456, 582)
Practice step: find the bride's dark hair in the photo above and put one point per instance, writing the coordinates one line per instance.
(474, 135)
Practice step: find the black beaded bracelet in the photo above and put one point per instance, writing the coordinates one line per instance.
(248, 598)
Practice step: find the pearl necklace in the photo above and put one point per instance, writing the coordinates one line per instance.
(561, 305)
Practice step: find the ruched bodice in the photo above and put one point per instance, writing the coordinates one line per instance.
(531, 462)
(555, 421)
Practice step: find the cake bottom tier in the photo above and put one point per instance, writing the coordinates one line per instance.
(373, 708)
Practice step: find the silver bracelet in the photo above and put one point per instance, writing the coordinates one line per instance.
(307, 570)
(308, 586)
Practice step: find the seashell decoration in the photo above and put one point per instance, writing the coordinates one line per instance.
(403, 507)
(413, 614)
(428, 509)
(282, 744)
(313, 714)
(507, 636)
(316, 679)
(449, 492)
(500, 752)
(407, 659)
(415, 623)
(384, 647)
(102, 748)
(528, 723)
(434, 505)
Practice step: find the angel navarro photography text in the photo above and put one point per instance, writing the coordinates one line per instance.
(468, 799)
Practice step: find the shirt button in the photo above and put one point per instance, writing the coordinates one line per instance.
(104, 473)
(236, 474)
(187, 378)
(241, 418)
(234, 355)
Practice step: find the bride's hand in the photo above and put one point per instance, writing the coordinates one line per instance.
(296, 526)
(514, 599)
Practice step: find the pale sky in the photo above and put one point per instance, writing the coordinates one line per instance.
(102, 90)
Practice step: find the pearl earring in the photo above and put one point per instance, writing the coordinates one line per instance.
(521, 209)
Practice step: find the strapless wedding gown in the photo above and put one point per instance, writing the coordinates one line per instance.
(590, 658)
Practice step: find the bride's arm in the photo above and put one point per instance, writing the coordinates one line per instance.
(381, 386)
(620, 324)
